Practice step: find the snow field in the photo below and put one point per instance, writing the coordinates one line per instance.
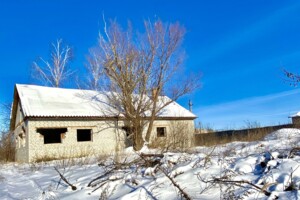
(220, 172)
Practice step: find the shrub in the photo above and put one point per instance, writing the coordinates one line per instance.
(7, 148)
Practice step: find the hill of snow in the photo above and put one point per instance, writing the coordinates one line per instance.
(267, 169)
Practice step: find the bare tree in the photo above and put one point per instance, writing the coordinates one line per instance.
(137, 70)
(55, 71)
(95, 70)
(7, 147)
(5, 109)
(292, 78)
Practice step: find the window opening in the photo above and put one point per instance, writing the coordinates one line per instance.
(52, 135)
(84, 135)
(161, 131)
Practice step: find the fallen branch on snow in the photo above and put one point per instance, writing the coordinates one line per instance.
(239, 184)
(65, 180)
(183, 193)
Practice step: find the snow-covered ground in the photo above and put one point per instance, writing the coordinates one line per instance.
(239, 170)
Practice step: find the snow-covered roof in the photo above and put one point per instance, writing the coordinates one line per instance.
(296, 115)
(40, 101)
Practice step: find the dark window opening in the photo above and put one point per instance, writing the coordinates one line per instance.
(84, 135)
(52, 135)
(129, 135)
(129, 131)
(161, 131)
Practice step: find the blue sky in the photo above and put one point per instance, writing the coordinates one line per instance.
(240, 47)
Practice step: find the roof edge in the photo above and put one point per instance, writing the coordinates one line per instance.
(13, 113)
(104, 117)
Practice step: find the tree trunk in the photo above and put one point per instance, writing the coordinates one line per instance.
(138, 141)
(149, 130)
(152, 117)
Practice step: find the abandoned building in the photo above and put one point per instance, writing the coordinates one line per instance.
(58, 123)
(296, 119)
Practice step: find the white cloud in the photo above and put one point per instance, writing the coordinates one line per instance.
(267, 110)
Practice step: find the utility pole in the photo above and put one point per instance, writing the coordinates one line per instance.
(190, 106)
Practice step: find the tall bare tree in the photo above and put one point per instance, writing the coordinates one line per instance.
(138, 69)
(55, 71)
(95, 70)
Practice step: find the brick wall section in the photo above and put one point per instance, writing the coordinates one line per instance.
(180, 132)
(21, 137)
(296, 120)
(21, 143)
(106, 138)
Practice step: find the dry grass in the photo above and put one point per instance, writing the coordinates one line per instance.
(68, 157)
